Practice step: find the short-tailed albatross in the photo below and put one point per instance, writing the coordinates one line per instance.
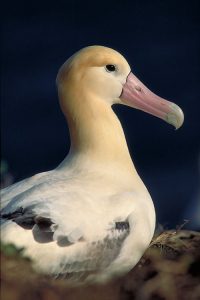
(91, 218)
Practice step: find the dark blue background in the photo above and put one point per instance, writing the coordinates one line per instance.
(160, 41)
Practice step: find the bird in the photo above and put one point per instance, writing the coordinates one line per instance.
(91, 218)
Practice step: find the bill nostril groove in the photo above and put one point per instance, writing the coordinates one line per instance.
(138, 88)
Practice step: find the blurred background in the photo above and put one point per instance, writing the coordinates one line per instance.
(160, 41)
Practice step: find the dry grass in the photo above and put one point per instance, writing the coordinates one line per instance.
(169, 270)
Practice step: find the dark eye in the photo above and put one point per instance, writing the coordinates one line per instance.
(110, 68)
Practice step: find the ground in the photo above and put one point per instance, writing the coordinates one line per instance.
(169, 270)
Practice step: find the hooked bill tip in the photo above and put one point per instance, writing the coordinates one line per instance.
(175, 117)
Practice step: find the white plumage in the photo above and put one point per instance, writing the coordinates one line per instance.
(92, 217)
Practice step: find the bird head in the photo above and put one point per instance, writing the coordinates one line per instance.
(105, 74)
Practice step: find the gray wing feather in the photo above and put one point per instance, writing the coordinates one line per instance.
(99, 256)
